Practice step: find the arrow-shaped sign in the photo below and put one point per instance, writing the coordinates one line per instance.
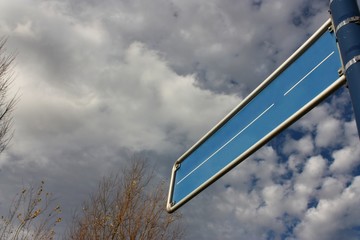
(305, 79)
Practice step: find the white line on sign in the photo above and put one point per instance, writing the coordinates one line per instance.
(308, 73)
(226, 143)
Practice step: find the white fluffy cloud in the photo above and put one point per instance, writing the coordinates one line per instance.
(138, 104)
(333, 217)
(328, 132)
(303, 146)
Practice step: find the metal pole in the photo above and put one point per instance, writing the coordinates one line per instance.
(346, 19)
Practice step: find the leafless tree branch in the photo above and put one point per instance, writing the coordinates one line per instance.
(32, 215)
(127, 206)
(6, 104)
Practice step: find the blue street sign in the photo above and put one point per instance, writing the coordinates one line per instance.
(305, 79)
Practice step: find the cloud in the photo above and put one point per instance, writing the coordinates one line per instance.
(130, 107)
(100, 81)
(303, 146)
(328, 132)
(215, 40)
(345, 159)
(333, 218)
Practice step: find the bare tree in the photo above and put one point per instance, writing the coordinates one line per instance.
(33, 214)
(126, 206)
(6, 105)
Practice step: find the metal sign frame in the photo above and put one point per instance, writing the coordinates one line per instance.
(171, 205)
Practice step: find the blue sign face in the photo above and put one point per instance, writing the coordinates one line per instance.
(290, 94)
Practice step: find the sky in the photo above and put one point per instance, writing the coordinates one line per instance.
(103, 81)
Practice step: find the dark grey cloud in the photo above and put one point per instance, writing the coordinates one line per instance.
(215, 40)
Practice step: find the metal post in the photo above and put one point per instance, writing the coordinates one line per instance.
(346, 19)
